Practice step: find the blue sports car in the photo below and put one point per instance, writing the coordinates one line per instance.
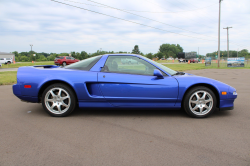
(105, 82)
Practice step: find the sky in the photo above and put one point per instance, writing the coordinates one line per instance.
(113, 25)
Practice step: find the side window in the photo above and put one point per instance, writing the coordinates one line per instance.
(72, 58)
(128, 65)
(1, 59)
(68, 58)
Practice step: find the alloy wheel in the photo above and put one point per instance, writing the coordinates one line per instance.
(201, 102)
(57, 100)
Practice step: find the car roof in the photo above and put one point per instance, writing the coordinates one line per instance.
(124, 54)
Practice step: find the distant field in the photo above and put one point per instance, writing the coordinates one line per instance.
(198, 66)
(19, 64)
(167, 61)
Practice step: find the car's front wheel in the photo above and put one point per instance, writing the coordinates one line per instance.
(58, 100)
(200, 102)
(64, 64)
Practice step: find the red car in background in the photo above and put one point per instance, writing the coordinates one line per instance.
(194, 60)
(65, 60)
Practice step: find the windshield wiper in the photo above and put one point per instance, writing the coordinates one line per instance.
(179, 73)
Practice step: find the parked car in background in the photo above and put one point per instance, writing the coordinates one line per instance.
(182, 60)
(65, 60)
(194, 60)
(6, 60)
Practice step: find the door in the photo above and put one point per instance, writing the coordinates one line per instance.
(2, 60)
(68, 60)
(73, 60)
(134, 85)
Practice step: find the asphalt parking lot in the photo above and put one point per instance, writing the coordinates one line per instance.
(28, 136)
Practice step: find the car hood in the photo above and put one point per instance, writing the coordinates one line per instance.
(190, 79)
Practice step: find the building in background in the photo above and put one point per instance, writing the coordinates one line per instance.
(7, 55)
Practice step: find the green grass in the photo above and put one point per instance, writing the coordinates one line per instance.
(19, 64)
(167, 61)
(8, 77)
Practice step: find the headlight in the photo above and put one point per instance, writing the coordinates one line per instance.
(234, 93)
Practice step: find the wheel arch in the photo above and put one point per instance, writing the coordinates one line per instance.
(48, 83)
(205, 85)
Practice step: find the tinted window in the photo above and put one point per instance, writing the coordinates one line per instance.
(1, 59)
(85, 64)
(59, 57)
(7, 58)
(128, 65)
(68, 58)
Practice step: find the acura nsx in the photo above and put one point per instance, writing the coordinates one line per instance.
(105, 81)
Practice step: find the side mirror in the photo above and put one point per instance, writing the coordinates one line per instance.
(158, 74)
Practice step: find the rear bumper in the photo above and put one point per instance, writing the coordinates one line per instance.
(17, 92)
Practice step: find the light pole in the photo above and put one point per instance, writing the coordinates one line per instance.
(227, 41)
(219, 35)
(31, 46)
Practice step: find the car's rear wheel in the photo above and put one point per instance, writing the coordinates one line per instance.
(200, 102)
(58, 100)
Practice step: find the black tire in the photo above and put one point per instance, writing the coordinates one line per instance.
(66, 91)
(64, 64)
(200, 112)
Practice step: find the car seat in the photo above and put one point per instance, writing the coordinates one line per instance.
(114, 66)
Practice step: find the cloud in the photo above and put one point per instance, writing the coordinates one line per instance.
(54, 27)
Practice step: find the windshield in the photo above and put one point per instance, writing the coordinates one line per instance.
(166, 69)
(85, 64)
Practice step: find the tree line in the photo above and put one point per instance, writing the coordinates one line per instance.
(165, 51)
(232, 53)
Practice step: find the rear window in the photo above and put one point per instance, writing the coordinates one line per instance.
(59, 57)
(85, 64)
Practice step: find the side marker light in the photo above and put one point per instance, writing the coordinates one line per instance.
(224, 93)
(27, 86)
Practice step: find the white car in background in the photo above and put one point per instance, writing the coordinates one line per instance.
(6, 60)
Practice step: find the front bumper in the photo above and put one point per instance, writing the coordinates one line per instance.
(228, 102)
(227, 108)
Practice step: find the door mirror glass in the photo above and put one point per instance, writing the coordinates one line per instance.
(158, 74)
